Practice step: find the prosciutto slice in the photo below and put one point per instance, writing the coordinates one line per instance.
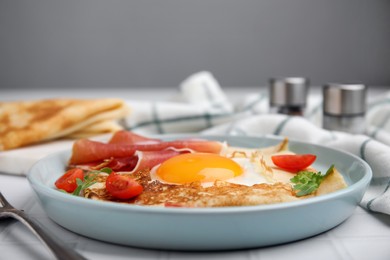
(86, 151)
(127, 137)
(147, 160)
(139, 161)
(118, 164)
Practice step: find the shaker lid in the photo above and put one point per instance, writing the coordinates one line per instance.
(344, 99)
(290, 91)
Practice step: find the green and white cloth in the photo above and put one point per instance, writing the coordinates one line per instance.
(202, 106)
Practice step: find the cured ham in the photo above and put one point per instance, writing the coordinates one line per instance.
(127, 137)
(139, 161)
(87, 151)
(147, 160)
(118, 164)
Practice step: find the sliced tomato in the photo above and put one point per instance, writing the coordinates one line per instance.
(293, 162)
(122, 187)
(67, 181)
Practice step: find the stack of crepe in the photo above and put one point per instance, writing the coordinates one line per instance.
(24, 123)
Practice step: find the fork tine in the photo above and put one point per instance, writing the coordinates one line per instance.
(3, 201)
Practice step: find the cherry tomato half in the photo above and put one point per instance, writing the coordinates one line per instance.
(67, 181)
(293, 162)
(122, 187)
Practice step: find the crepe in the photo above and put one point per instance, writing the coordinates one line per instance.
(221, 194)
(29, 122)
(103, 127)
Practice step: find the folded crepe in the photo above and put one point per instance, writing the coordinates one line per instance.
(29, 122)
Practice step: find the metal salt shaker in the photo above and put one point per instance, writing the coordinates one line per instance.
(344, 107)
(288, 95)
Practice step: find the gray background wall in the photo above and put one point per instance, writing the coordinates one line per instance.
(120, 43)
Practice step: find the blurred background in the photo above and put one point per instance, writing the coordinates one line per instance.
(158, 43)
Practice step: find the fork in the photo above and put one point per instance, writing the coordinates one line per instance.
(59, 250)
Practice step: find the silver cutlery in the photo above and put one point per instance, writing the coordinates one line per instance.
(59, 250)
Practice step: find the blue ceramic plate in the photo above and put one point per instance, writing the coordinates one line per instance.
(206, 228)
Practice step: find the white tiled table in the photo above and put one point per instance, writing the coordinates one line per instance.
(363, 236)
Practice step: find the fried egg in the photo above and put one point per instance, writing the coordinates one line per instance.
(208, 168)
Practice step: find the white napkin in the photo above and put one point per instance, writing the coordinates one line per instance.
(202, 106)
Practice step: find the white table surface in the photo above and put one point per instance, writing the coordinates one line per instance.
(363, 236)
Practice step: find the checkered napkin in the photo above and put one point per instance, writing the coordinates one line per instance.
(203, 107)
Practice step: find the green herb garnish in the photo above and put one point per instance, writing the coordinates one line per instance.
(89, 180)
(106, 170)
(307, 182)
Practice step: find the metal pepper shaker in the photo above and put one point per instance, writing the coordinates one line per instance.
(288, 95)
(344, 107)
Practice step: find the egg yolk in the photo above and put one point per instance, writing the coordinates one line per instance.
(203, 167)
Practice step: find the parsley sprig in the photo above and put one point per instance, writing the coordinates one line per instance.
(307, 182)
(89, 180)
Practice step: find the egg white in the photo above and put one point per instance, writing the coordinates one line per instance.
(252, 174)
